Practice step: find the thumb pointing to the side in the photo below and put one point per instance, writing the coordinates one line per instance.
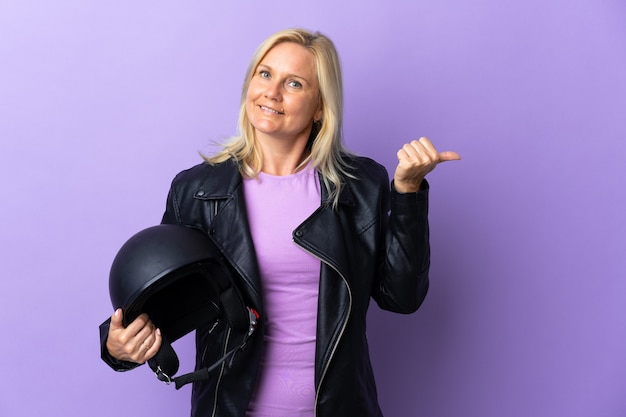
(448, 156)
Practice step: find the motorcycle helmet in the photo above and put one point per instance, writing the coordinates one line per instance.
(178, 277)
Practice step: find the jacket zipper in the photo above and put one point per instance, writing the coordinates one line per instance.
(219, 378)
(343, 326)
(206, 348)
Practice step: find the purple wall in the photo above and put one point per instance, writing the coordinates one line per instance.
(101, 103)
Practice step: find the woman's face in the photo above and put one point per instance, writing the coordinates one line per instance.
(283, 96)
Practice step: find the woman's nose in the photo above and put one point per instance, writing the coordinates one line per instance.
(272, 90)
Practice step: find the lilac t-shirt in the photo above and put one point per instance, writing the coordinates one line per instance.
(290, 283)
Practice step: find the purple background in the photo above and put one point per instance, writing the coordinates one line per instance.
(102, 103)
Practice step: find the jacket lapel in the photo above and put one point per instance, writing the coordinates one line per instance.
(324, 233)
(335, 295)
(228, 223)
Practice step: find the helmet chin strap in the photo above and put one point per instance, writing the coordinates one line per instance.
(165, 363)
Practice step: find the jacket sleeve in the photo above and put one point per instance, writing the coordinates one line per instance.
(172, 212)
(404, 259)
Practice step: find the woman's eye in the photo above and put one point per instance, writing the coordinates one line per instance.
(294, 84)
(264, 74)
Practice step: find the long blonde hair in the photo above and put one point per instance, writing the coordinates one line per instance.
(325, 142)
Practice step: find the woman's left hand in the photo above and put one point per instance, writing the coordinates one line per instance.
(415, 160)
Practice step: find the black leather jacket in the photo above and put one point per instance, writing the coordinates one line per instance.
(364, 251)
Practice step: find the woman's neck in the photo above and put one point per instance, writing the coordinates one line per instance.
(282, 157)
(280, 166)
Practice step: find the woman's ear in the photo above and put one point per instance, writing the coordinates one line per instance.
(319, 113)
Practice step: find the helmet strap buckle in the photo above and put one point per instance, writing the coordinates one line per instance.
(162, 376)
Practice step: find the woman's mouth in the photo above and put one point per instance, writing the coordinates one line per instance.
(270, 110)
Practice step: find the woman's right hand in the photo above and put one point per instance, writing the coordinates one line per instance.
(137, 342)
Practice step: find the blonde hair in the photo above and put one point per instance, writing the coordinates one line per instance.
(325, 142)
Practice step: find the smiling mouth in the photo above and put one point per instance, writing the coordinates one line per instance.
(270, 110)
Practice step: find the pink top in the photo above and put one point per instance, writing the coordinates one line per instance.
(290, 284)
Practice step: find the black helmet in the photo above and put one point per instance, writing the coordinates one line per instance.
(178, 277)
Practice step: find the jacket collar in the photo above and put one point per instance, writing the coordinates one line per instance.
(225, 178)
(222, 182)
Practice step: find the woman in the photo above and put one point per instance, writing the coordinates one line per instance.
(306, 225)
